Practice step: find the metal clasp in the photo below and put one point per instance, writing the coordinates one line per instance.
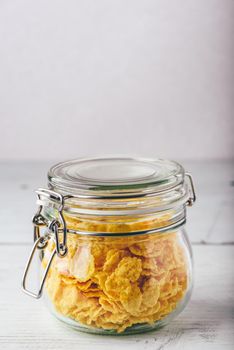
(192, 198)
(40, 243)
(57, 227)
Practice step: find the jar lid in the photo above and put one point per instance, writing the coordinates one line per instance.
(115, 176)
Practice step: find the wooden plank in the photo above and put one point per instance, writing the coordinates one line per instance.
(209, 220)
(18, 181)
(207, 323)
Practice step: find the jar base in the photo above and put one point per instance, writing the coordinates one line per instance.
(135, 329)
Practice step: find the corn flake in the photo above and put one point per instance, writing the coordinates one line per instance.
(117, 283)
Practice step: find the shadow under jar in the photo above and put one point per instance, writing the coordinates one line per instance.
(115, 257)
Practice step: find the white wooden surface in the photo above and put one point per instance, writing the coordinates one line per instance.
(206, 323)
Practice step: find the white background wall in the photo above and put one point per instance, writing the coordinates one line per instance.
(126, 76)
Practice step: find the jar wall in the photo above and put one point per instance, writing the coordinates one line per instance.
(126, 284)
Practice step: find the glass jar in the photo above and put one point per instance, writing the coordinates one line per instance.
(115, 257)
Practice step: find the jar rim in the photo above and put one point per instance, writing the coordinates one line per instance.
(120, 185)
(115, 177)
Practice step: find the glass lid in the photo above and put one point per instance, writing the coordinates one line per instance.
(116, 176)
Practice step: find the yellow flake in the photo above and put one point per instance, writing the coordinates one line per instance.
(114, 283)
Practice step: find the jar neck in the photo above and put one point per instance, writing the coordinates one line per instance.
(118, 214)
(163, 220)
